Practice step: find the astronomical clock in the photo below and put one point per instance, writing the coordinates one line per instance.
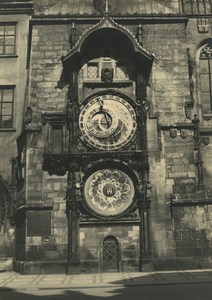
(104, 149)
(107, 124)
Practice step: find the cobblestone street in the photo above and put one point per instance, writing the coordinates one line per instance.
(11, 280)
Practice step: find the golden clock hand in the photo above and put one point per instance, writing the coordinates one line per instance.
(106, 118)
(110, 137)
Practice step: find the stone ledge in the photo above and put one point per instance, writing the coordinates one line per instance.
(36, 205)
(192, 199)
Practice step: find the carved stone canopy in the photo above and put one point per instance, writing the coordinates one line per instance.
(106, 24)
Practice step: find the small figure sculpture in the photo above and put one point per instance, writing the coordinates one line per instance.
(107, 75)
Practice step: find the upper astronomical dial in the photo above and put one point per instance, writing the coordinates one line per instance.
(107, 122)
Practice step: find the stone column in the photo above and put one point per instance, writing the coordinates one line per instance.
(73, 262)
(145, 230)
(73, 111)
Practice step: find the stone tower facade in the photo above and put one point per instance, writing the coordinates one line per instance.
(115, 149)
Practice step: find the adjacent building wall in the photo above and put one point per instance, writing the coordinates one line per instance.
(13, 72)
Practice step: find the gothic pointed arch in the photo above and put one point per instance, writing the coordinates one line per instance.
(204, 67)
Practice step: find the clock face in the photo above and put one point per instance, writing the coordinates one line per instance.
(109, 192)
(107, 122)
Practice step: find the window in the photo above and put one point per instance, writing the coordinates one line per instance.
(6, 107)
(7, 39)
(121, 72)
(205, 66)
(93, 69)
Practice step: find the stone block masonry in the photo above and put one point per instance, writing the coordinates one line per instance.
(180, 237)
(192, 230)
(92, 240)
(49, 42)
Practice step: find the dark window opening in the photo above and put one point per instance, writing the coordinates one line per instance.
(57, 139)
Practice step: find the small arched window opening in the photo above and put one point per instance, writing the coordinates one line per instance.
(205, 73)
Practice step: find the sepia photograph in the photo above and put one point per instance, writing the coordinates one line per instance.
(106, 149)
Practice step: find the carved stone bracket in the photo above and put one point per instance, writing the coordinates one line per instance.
(173, 132)
(207, 116)
(206, 140)
(183, 133)
(183, 128)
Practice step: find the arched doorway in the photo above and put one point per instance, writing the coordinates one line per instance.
(110, 254)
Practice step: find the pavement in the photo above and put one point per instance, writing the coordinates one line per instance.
(12, 280)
